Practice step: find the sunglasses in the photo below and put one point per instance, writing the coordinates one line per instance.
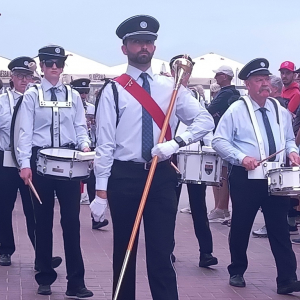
(49, 63)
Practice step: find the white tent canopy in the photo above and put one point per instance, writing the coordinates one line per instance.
(4, 71)
(205, 64)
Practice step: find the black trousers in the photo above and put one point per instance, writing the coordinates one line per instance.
(10, 182)
(91, 186)
(125, 187)
(247, 195)
(197, 193)
(68, 194)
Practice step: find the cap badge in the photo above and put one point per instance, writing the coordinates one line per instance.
(57, 50)
(84, 83)
(25, 63)
(262, 64)
(143, 24)
(286, 63)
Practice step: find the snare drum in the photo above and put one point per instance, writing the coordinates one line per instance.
(63, 164)
(200, 167)
(284, 181)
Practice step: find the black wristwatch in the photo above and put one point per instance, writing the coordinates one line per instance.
(179, 141)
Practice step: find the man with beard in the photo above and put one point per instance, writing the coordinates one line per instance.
(291, 90)
(126, 134)
(252, 128)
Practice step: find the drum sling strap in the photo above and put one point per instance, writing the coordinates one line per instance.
(8, 159)
(260, 142)
(55, 128)
(138, 93)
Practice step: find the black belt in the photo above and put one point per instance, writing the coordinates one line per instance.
(141, 166)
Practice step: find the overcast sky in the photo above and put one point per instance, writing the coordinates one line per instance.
(237, 29)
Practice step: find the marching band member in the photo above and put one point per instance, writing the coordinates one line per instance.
(82, 86)
(10, 180)
(252, 128)
(39, 128)
(197, 194)
(126, 133)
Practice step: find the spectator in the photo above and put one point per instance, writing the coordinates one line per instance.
(227, 94)
(291, 90)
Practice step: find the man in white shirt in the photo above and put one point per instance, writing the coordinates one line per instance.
(10, 180)
(126, 133)
(82, 86)
(42, 126)
(253, 128)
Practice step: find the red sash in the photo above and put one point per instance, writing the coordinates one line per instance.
(137, 92)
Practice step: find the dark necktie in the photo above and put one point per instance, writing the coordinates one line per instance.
(53, 95)
(271, 141)
(147, 126)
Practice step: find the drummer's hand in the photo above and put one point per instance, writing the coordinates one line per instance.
(294, 159)
(249, 163)
(86, 149)
(98, 208)
(102, 194)
(26, 174)
(165, 150)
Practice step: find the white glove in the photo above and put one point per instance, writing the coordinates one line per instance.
(98, 209)
(165, 150)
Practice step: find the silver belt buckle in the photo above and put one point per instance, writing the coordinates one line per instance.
(147, 166)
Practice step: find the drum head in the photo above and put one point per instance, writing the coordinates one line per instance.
(60, 153)
(15, 131)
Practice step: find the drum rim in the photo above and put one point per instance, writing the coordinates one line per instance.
(284, 169)
(190, 152)
(52, 157)
(65, 178)
(210, 183)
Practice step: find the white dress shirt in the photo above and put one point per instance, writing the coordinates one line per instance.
(90, 108)
(235, 137)
(36, 122)
(124, 142)
(5, 118)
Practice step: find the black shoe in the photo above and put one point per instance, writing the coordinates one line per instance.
(80, 293)
(5, 260)
(44, 289)
(289, 288)
(237, 280)
(56, 261)
(98, 225)
(207, 260)
(173, 258)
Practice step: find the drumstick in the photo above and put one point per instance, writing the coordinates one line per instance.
(271, 156)
(173, 165)
(34, 190)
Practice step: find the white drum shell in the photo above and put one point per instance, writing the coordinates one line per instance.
(284, 181)
(63, 166)
(200, 167)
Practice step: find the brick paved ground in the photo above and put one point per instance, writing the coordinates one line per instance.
(17, 281)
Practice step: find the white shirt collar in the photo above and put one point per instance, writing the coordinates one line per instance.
(257, 107)
(135, 73)
(47, 85)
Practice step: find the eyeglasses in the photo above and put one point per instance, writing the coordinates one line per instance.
(23, 76)
(49, 63)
